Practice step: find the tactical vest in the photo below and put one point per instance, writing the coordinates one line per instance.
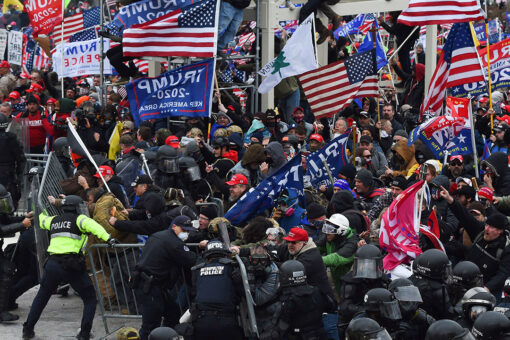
(214, 286)
(65, 226)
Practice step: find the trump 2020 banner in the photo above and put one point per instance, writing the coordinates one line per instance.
(81, 58)
(335, 156)
(185, 91)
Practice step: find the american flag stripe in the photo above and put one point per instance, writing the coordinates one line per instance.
(426, 12)
(72, 25)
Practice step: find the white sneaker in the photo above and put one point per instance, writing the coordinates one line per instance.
(290, 5)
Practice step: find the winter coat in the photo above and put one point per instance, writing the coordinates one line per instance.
(407, 153)
(105, 201)
(498, 162)
(275, 151)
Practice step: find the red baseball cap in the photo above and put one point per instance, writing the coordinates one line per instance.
(238, 179)
(484, 100)
(51, 101)
(4, 63)
(173, 141)
(296, 234)
(35, 87)
(14, 95)
(317, 137)
(457, 157)
(104, 170)
(487, 193)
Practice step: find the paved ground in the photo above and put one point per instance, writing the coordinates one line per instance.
(60, 319)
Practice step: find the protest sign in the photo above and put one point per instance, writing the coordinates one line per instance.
(185, 91)
(15, 48)
(81, 58)
(335, 155)
(44, 15)
(3, 42)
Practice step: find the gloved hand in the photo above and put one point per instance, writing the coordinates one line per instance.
(112, 241)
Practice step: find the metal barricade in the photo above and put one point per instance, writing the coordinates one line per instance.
(50, 184)
(32, 161)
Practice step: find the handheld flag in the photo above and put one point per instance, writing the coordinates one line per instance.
(335, 155)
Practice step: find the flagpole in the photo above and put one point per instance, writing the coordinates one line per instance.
(62, 49)
(374, 44)
(489, 81)
(354, 143)
(472, 130)
(315, 42)
(101, 54)
(403, 43)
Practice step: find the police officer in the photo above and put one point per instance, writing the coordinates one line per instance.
(9, 225)
(367, 273)
(491, 326)
(475, 302)
(61, 149)
(66, 262)
(504, 305)
(432, 274)
(164, 333)
(365, 328)
(12, 161)
(167, 167)
(382, 306)
(156, 274)
(466, 275)
(217, 295)
(302, 305)
(447, 330)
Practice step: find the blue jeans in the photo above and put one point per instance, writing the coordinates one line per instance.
(330, 322)
(229, 22)
(288, 104)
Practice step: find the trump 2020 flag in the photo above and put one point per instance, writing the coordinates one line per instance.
(190, 31)
(184, 91)
(399, 228)
(257, 200)
(296, 57)
(335, 155)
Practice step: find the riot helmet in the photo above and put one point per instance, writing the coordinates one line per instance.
(337, 224)
(407, 294)
(167, 159)
(72, 203)
(220, 142)
(367, 263)
(447, 330)
(466, 274)
(491, 326)
(4, 122)
(259, 260)
(366, 329)
(61, 147)
(190, 168)
(215, 248)
(476, 303)
(435, 265)
(6, 202)
(383, 303)
(292, 273)
(164, 333)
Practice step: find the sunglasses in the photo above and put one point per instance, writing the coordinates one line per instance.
(293, 242)
(455, 163)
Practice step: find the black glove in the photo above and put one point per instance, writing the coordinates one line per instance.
(112, 241)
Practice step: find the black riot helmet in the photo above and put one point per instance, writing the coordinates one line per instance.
(220, 142)
(292, 273)
(434, 264)
(365, 329)
(167, 159)
(476, 303)
(189, 168)
(407, 294)
(447, 330)
(72, 204)
(383, 303)
(6, 203)
(214, 249)
(367, 263)
(61, 147)
(491, 326)
(466, 274)
(164, 333)
(4, 122)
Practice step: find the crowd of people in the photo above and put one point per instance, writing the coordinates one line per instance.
(314, 268)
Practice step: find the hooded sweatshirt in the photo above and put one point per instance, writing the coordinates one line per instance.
(407, 153)
(275, 151)
(498, 162)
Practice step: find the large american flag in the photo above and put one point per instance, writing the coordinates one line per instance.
(426, 12)
(367, 23)
(458, 64)
(76, 23)
(188, 32)
(87, 34)
(331, 88)
(33, 57)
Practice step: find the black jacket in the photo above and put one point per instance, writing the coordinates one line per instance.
(117, 187)
(163, 255)
(498, 162)
(151, 201)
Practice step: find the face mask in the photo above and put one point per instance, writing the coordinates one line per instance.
(183, 236)
(384, 134)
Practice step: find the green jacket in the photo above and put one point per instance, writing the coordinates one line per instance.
(338, 255)
(67, 244)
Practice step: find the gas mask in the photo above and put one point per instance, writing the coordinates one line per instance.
(287, 211)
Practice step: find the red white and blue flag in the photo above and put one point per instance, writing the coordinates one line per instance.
(426, 12)
(458, 64)
(398, 235)
(75, 24)
(190, 31)
(33, 58)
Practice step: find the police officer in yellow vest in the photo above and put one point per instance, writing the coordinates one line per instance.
(66, 262)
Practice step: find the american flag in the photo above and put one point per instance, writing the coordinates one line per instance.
(367, 23)
(87, 34)
(331, 88)
(457, 65)
(426, 12)
(187, 32)
(75, 24)
(33, 57)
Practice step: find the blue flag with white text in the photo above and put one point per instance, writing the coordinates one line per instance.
(368, 45)
(352, 27)
(264, 196)
(335, 155)
(184, 91)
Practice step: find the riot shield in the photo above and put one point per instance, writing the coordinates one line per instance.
(41, 236)
(248, 320)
